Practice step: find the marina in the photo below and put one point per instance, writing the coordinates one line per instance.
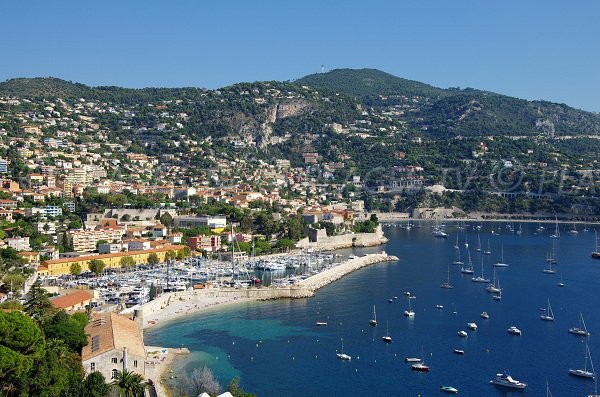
(285, 331)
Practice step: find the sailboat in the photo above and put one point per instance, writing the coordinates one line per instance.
(420, 366)
(387, 338)
(480, 279)
(561, 284)
(342, 355)
(447, 284)
(373, 321)
(584, 373)
(466, 241)
(469, 268)
(581, 330)
(498, 296)
(596, 252)
(556, 230)
(549, 269)
(409, 312)
(501, 263)
(488, 251)
(457, 261)
(492, 288)
(552, 257)
(478, 249)
(573, 230)
(540, 228)
(520, 231)
(549, 314)
(456, 245)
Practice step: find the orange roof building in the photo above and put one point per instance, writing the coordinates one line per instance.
(74, 301)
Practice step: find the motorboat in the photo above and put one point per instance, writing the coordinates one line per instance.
(459, 352)
(462, 334)
(321, 324)
(412, 360)
(448, 389)
(485, 315)
(506, 380)
(420, 367)
(472, 326)
(514, 330)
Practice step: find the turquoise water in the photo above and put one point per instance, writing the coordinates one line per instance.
(277, 351)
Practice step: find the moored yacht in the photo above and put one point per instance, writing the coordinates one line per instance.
(506, 380)
(514, 330)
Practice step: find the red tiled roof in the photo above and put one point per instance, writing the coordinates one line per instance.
(63, 302)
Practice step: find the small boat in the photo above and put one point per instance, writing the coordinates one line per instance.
(469, 268)
(409, 312)
(448, 389)
(585, 373)
(439, 233)
(480, 279)
(390, 300)
(459, 352)
(447, 284)
(514, 330)
(548, 315)
(373, 321)
(420, 365)
(342, 356)
(556, 234)
(320, 323)
(407, 293)
(573, 230)
(462, 334)
(506, 380)
(520, 231)
(501, 263)
(488, 251)
(561, 284)
(485, 315)
(472, 326)
(386, 338)
(412, 360)
(439, 306)
(582, 329)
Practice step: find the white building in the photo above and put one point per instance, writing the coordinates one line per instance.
(19, 243)
(213, 222)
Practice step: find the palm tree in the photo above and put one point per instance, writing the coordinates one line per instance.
(129, 384)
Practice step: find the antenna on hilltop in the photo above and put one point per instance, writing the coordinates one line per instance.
(322, 68)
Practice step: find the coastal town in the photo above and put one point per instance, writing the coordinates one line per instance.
(139, 231)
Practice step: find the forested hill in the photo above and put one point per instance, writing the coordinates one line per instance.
(421, 107)
(454, 111)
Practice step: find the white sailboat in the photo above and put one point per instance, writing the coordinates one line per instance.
(573, 230)
(469, 268)
(456, 244)
(478, 249)
(342, 355)
(488, 251)
(480, 279)
(457, 261)
(409, 312)
(552, 257)
(549, 314)
(493, 288)
(582, 329)
(373, 321)
(501, 263)
(584, 373)
(447, 284)
(387, 338)
(520, 230)
(556, 230)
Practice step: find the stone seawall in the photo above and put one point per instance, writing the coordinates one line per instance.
(320, 280)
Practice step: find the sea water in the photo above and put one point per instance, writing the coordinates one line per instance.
(276, 349)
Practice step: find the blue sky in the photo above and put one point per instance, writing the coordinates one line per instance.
(528, 49)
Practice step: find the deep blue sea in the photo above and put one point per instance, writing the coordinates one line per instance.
(276, 349)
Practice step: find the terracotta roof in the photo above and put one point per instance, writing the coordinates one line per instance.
(65, 301)
(109, 331)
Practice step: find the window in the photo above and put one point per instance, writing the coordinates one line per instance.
(134, 363)
(115, 360)
(92, 367)
(114, 374)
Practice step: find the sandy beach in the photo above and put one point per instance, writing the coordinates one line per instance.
(177, 308)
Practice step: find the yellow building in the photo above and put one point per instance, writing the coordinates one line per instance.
(58, 267)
